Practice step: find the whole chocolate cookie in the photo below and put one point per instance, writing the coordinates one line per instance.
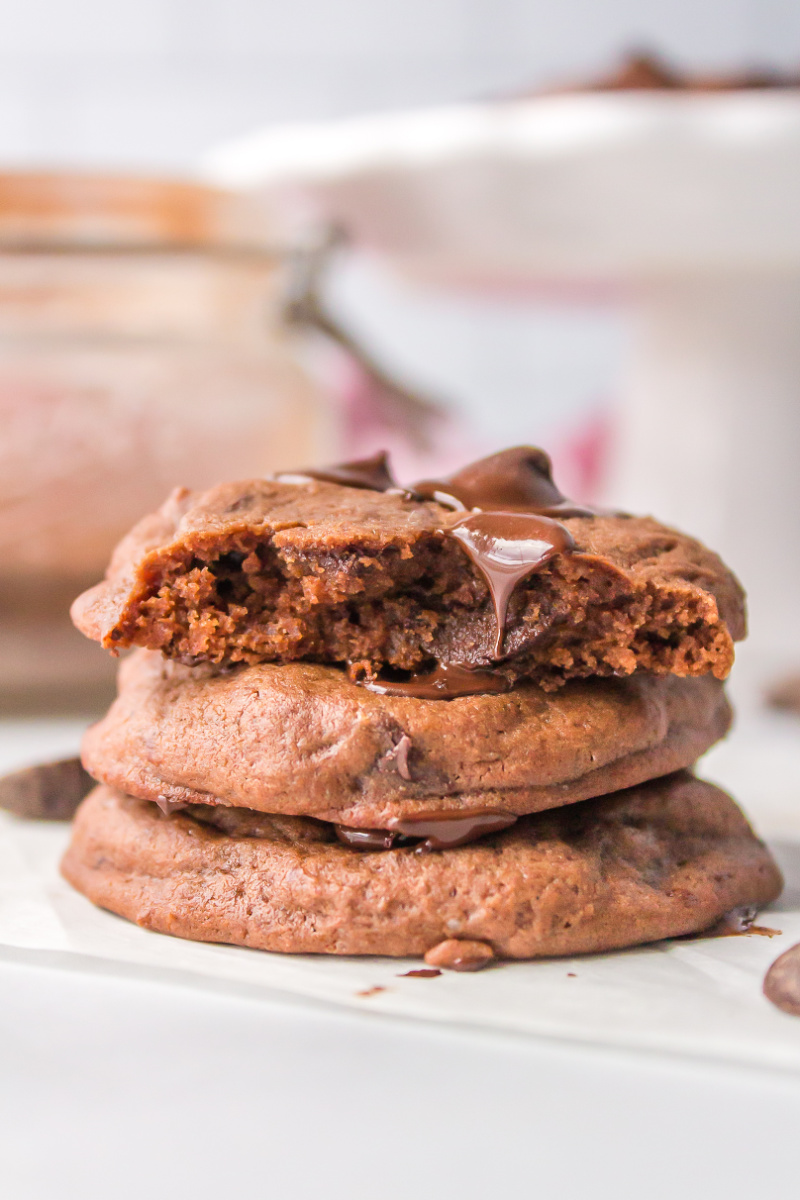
(664, 859)
(280, 571)
(300, 738)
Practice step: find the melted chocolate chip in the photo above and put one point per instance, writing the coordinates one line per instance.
(782, 982)
(365, 839)
(520, 479)
(444, 830)
(373, 473)
(398, 756)
(509, 533)
(422, 973)
(453, 954)
(168, 807)
(437, 831)
(739, 922)
(506, 548)
(442, 683)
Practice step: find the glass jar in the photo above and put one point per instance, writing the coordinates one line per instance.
(140, 349)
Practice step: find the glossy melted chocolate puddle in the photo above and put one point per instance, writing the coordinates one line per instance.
(437, 831)
(510, 531)
(426, 832)
(444, 682)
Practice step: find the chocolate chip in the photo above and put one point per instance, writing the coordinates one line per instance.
(49, 792)
(455, 954)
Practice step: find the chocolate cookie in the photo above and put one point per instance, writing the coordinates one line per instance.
(300, 738)
(281, 571)
(664, 859)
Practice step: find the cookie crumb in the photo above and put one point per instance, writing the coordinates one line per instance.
(453, 954)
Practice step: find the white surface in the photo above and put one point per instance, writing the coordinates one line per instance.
(114, 1084)
(116, 1088)
(581, 186)
(708, 429)
(112, 1087)
(154, 82)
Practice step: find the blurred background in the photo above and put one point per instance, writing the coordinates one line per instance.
(242, 236)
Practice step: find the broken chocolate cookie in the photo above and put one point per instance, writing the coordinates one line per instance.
(385, 580)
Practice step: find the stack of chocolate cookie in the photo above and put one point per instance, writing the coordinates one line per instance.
(455, 720)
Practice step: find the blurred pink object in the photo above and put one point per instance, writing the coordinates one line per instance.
(373, 410)
(581, 457)
(369, 421)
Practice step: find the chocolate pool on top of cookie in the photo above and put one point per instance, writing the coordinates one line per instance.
(489, 571)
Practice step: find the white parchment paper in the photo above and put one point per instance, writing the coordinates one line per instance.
(699, 997)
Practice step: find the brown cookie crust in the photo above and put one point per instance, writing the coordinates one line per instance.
(270, 571)
(665, 859)
(302, 739)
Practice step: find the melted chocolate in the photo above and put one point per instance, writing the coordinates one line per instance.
(445, 830)
(421, 973)
(506, 547)
(443, 683)
(739, 922)
(168, 807)
(516, 480)
(456, 955)
(438, 830)
(398, 757)
(509, 533)
(373, 473)
(365, 839)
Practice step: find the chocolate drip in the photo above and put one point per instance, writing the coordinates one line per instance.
(443, 683)
(737, 922)
(445, 830)
(365, 839)
(516, 480)
(509, 533)
(372, 473)
(421, 973)
(507, 547)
